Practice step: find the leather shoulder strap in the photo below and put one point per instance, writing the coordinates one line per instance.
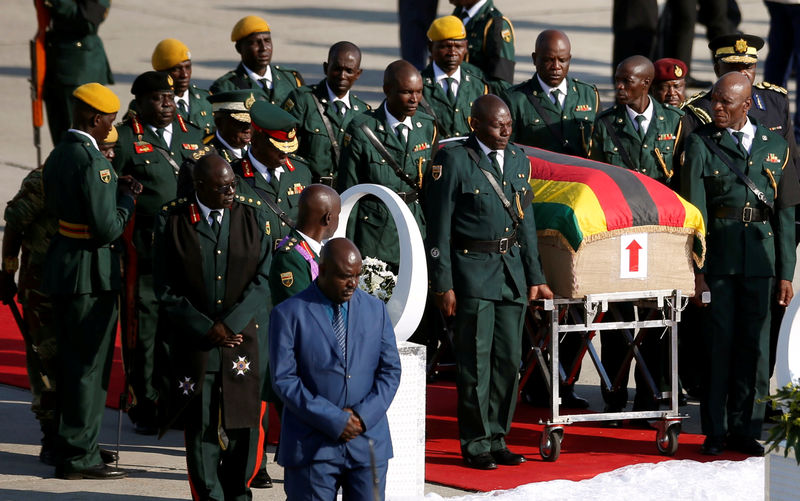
(373, 139)
(496, 187)
(626, 158)
(714, 147)
(328, 128)
(270, 202)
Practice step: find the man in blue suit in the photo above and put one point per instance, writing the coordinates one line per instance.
(335, 366)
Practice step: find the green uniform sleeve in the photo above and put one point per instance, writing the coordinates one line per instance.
(692, 187)
(107, 213)
(786, 254)
(350, 159)
(283, 263)
(440, 202)
(529, 244)
(499, 50)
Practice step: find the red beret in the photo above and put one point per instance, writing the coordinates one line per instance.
(669, 69)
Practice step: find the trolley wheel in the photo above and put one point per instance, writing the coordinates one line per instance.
(667, 442)
(550, 445)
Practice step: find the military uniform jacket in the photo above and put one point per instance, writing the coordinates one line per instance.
(290, 272)
(285, 191)
(200, 111)
(200, 279)
(75, 54)
(81, 190)
(753, 249)
(222, 150)
(574, 123)
(315, 144)
(452, 119)
(375, 231)
(655, 156)
(771, 109)
(490, 44)
(284, 80)
(460, 203)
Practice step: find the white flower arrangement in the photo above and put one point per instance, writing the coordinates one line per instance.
(376, 279)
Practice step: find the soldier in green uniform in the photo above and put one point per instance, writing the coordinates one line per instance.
(484, 268)
(253, 40)
(490, 41)
(153, 142)
(294, 265)
(552, 111)
(270, 174)
(449, 84)
(326, 109)
(173, 57)
(638, 132)
(669, 82)
(82, 275)
(391, 146)
(75, 55)
(211, 281)
(734, 175)
(232, 120)
(29, 228)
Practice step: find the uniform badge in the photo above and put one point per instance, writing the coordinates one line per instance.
(346, 140)
(740, 46)
(297, 188)
(506, 34)
(287, 278)
(421, 147)
(142, 147)
(247, 169)
(267, 228)
(241, 366)
(436, 172)
(186, 386)
(288, 105)
(419, 124)
(194, 214)
(105, 175)
(434, 252)
(773, 158)
(665, 137)
(188, 146)
(583, 107)
(677, 71)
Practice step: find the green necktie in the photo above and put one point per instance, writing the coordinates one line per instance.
(215, 226)
(341, 108)
(449, 84)
(399, 129)
(182, 108)
(639, 120)
(160, 134)
(739, 135)
(274, 181)
(555, 93)
(495, 163)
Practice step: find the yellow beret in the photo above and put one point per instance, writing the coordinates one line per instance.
(247, 26)
(168, 53)
(112, 136)
(98, 97)
(446, 28)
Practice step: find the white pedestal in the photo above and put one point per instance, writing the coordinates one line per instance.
(782, 476)
(406, 476)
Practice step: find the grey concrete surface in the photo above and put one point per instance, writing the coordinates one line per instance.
(302, 32)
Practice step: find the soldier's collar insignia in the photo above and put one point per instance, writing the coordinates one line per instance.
(241, 366)
(419, 124)
(142, 147)
(186, 386)
(194, 214)
(763, 138)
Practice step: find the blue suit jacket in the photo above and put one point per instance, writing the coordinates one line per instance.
(310, 376)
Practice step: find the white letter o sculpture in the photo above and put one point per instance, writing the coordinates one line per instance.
(787, 362)
(407, 303)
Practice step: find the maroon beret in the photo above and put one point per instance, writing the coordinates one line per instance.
(669, 69)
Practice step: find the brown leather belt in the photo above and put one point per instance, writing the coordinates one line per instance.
(74, 230)
(490, 246)
(743, 214)
(408, 197)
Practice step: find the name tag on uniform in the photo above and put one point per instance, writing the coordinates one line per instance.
(142, 147)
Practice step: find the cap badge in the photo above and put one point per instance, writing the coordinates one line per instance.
(678, 71)
(740, 46)
(291, 134)
(250, 101)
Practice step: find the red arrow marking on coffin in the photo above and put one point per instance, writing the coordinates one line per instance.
(633, 259)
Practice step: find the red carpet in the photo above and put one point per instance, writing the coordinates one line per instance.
(587, 449)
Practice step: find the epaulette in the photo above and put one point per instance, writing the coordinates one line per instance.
(674, 109)
(288, 245)
(136, 125)
(769, 86)
(289, 165)
(205, 150)
(694, 98)
(181, 123)
(296, 74)
(700, 113)
(247, 168)
(174, 204)
(252, 202)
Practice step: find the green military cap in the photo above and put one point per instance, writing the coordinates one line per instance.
(236, 103)
(151, 81)
(736, 48)
(276, 124)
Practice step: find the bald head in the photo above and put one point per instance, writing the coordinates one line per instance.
(342, 48)
(343, 67)
(209, 166)
(488, 107)
(632, 82)
(214, 182)
(491, 121)
(339, 270)
(552, 56)
(318, 211)
(731, 100)
(402, 85)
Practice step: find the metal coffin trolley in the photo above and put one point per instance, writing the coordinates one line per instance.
(587, 316)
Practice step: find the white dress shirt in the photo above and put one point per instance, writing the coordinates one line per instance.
(749, 131)
(263, 170)
(648, 116)
(500, 153)
(562, 87)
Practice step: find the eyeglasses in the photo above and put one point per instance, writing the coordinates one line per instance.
(226, 188)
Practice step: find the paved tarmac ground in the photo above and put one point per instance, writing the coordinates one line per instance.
(302, 32)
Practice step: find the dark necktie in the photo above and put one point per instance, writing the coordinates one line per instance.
(495, 163)
(449, 89)
(263, 82)
(740, 138)
(339, 329)
(215, 226)
(399, 129)
(274, 181)
(463, 14)
(341, 108)
(640, 120)
(554, 93)
(160, 134)
(182, 108)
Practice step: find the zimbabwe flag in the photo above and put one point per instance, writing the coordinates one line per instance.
(583, 200)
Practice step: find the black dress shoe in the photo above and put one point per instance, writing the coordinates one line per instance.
(47, 455)
(261, 480)
(483, 461)
(712, 446)
(96, 472)
(745, 445)
(572, 400)
(507, 458)
(108, 456)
